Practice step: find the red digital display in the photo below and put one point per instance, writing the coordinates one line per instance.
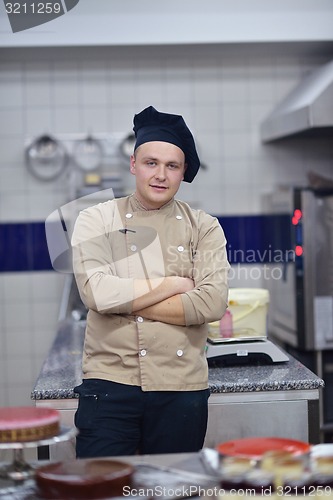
(298, 250)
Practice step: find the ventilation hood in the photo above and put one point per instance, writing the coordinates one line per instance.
(308, 109)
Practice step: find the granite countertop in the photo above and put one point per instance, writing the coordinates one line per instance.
(61, 371)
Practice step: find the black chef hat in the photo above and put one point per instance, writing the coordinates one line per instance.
(151, 125)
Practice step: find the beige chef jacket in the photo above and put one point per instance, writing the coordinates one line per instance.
(118, 241)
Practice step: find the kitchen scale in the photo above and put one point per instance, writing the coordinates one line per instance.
(243, 349)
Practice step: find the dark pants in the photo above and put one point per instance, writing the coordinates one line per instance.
(117, 419)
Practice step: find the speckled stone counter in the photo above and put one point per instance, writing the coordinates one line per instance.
(291, 375)
(61, 371)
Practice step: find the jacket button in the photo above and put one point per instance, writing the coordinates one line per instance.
(133, 248)
(140, 319)
(179, 217)
(143, 352)
(180, 352)
(129, 216)
(180, 248)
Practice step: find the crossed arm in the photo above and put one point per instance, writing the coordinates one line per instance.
(164, 302)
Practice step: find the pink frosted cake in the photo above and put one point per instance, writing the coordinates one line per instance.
(24, 423)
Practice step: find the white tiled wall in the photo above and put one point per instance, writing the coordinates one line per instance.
(223, 95)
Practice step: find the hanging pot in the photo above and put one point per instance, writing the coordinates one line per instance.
(88, 154)
(46, 158)
(127, 146)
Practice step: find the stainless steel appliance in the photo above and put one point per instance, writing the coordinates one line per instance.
(307, 110)
(301, 307)
(301, 304)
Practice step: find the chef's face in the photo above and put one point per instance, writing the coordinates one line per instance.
(159, 168)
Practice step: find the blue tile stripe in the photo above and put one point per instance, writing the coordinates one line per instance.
(258, 239)
(251, 240)
(23, 247)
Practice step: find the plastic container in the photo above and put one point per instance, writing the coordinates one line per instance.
(249, 310)
(214, 330)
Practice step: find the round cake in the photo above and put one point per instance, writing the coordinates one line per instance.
(20, 424)
(84, 479)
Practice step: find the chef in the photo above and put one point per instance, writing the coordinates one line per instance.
(152, 273)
